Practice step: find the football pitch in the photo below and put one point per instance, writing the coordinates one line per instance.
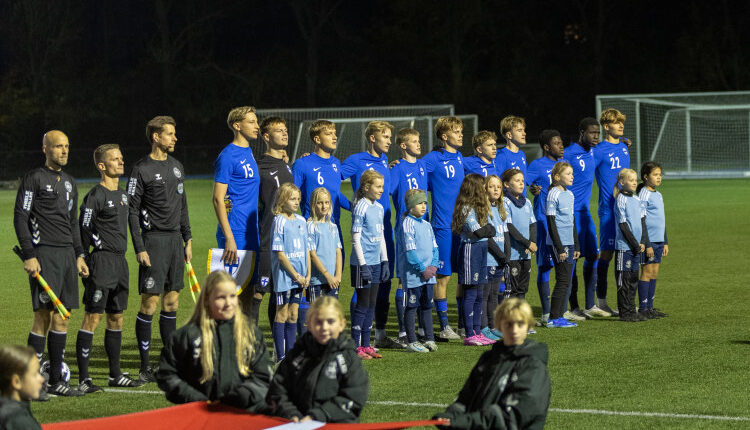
(690, 370)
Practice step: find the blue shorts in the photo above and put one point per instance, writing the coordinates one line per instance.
(570, 249)
(358, 282)
(586, 233)
(421, 297)
(543, 257)
(607, 232)
(447, 244)
(658, 251)
(472, 263)
(292, 296)
(627, 261)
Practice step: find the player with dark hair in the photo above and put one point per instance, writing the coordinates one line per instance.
(160, 228)
(580, 155)
(274, 172)
(540, 179)
(104, 227)
(47, 228)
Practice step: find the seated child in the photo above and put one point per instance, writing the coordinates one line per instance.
(509, 387)
(322, 377)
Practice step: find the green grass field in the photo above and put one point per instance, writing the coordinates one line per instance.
(695, 362)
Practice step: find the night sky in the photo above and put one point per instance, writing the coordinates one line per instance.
(98, 70)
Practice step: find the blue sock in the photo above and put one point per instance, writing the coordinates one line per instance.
(651, 293)
(400, 310)
(478, 308)
(304, 305)
(382, 305)
(353, 303)
(357, 318)
(290, 335)
(409, 315)
(601, 281)
(441, 308)
(589, 279)
(542, 285)
(643, 287)
(461, 315)
(278, 340)
(470, 296)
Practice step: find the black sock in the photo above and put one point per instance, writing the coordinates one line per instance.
(56, 351)
(83, 352)
(113, 345)
(36, 342)
(143, 335)
(167, 325)
(255, 309)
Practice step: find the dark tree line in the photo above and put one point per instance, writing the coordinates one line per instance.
(98, 70)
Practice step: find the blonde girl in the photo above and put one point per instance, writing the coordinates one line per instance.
(325, 247)
(330, 385)
(369, 260)
(497, 258)
(218, 354)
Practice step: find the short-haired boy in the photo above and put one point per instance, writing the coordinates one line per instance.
(513, 129)
(485, 150)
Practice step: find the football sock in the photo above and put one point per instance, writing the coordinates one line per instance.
(589, 279)
(357, 318)
(167, 325)
(461, 316)
(441, 308)
(651, 293)
(470, 296)
(278, 340)
(409, 315)
(36, 342)
(83, 352)
(143, 335)
(478, 309)
(400, 310)
(601, 279)
(382, 305)
(290, 335)
(56, 351)
(643, 287)
(367, 325)
(113, 346)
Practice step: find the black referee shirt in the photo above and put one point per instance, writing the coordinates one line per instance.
(273, 173)
(104, 220)
(45, 211)
(156, 191)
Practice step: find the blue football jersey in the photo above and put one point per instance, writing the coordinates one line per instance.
(415, 235)
(314, 171)
(539, 173)
(560, 204)
(476, 165)
(653, 204)
(289, 237)
(236, 167)
(507, 159)
(630, 210)
(445, 174)
(610, 159)
(407, 176)
(356, 164)
(367, 219)
(521, 218)
(499, 238)
(471, 224)
(323, 238)
(584, 170)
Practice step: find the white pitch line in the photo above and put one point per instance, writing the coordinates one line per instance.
(558, 410)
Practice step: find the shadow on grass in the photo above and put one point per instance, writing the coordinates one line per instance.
(740, 342)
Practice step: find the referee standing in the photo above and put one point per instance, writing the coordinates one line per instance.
(160, 228)
(47, 229)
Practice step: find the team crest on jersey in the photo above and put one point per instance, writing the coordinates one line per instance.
(150, 283)
(68, 186)
(97, 296)
(124, 199)
(264, 281)
(421, 171)
(43, 297)
(514, 271)
(625, 151)
(334, 167)
(180, 188)
(177, 172)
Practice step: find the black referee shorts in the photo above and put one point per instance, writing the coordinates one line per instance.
(59, 270)
(106, 288)
(167, 255)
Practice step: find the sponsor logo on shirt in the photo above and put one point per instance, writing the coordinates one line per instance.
(157, 177)
(369, 164)
(28, 197)
(68, 187)
(49, 188)
(110, 204)
(87, 216)
(180, 188)
(132, 183)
